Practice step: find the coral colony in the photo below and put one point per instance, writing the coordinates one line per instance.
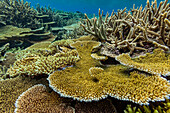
(99, 64)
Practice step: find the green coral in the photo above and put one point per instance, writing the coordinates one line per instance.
(162, 107)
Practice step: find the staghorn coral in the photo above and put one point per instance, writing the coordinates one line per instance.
(10, 90)
(102, 106)
(37, 65)
(160, 107)
(3, 49)
(85, 82)
(37, 99)
(3, 70)
(136, 32)
(155, 63)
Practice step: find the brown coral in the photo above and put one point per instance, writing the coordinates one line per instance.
(156, 63)
(78, 83)
(37, 99)
(136, 31)
(10, 90)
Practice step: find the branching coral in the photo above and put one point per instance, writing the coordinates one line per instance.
(36, 65)
(136, 31)
(77, 82)
(4, 48)
(10, 90)
(37, 99)
(3, 70)
(156, 63)
(18, 13)
(162, 107)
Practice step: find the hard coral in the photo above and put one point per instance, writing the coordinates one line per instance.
(159, 107)
(36, 65)
(156, 63)
(12, 34)
(78, 83)
(37, 99)
(136, 32)
(18, 13)
(10, 90)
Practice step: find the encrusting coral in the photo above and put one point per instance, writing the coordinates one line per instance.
(136, 32)
(36, 65)
(37, 100)
(157, 62)
(85, 82)
(10, 90)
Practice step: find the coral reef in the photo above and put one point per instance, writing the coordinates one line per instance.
(135, 32)
(82, 85)
(4, 48)
(13, 34)
(155, 63)
(18, 13)
(3, 70)
(36, 65)
(10, 90)
(160, 107)
(37, 99)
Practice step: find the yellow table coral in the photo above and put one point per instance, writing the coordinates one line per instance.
(156, 63)
(86, 81)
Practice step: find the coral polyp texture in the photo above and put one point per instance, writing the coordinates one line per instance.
(76, 81)
(10, 90)
(137, 31)
(36, 65)
(157, 62)
(86, 81)
(37, 100)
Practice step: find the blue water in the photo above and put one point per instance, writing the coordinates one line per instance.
(89, 6)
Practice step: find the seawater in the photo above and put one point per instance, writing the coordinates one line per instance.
(90, 6)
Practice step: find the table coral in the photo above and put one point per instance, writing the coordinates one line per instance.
(36, 65)
(86, 89)
(37, 99)
(11, 34)
(78, 83)
(137, 31)
(156, 63)
(10, 90)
